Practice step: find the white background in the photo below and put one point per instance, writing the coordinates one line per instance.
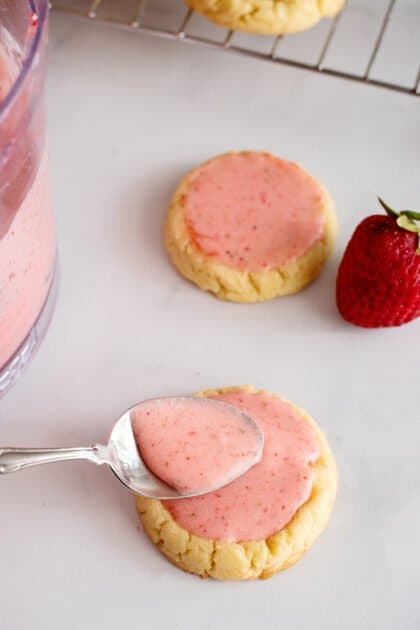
(128, 116)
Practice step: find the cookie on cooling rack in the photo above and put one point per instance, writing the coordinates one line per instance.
(271, 17)
(264, 521)
(250, 226)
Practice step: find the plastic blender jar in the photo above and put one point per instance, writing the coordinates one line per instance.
(27, 230)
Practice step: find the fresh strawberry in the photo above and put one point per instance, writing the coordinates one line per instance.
(378, 282)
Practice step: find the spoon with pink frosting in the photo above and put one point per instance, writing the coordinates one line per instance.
(165, 448)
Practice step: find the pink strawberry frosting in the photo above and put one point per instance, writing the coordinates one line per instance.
(253, 211)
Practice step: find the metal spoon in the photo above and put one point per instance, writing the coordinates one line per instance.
(122, 456)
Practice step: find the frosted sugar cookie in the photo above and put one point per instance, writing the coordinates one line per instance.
(264, 521)
(250, 226)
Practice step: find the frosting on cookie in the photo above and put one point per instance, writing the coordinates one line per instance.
(264, 499)
(253, 212)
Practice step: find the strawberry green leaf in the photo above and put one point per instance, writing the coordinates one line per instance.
(415, 216)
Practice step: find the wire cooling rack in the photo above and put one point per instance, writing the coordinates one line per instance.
(375, 42)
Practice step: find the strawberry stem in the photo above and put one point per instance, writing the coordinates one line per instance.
(388, 209)
(406, 220)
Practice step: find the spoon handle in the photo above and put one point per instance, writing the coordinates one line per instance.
(15, 459)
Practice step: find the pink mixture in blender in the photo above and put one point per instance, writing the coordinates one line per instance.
(27, 232)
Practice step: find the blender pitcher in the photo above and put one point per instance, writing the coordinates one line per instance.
(27, 231)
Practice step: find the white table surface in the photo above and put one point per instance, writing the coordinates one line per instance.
(128, 115)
